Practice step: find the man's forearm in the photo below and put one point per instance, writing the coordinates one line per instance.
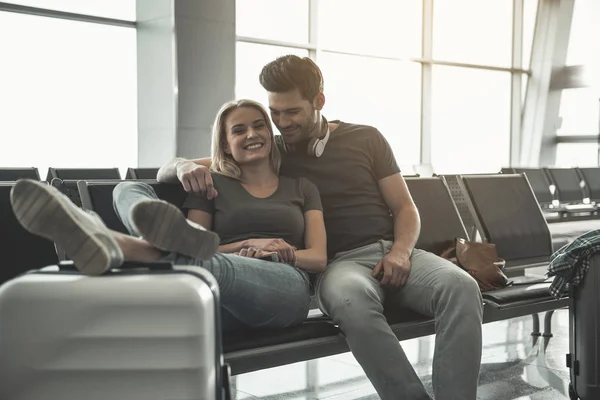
(407, 226)
(168, 172)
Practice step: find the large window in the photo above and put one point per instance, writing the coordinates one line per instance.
(273, 19)
(577, 155)
(579, 111)
(68, 96)
(473, 31)
(377, 92)
(373, 55)
(471, 120)
(389, 28)
(579, 116)
(250, 60)
(584, 48)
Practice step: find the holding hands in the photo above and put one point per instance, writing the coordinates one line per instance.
(260, 248)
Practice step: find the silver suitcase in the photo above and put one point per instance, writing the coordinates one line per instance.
(147, 331)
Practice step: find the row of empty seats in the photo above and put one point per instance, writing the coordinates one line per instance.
(14, 174)
(517, 227)
(569, 191)
(566, 192)
(568, 197)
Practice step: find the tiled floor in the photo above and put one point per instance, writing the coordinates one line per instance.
(513, 368)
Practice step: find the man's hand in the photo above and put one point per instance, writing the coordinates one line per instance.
(285, 251)
(396, 268)
(196, 178)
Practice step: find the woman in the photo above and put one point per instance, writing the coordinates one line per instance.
(271, 227)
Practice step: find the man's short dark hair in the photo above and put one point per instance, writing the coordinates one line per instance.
(290, 72)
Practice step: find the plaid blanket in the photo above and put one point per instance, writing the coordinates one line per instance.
(570, 263)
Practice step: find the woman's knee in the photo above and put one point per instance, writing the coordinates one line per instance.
(296, 309)
(120, 189)
(123, 188)
(272, 308)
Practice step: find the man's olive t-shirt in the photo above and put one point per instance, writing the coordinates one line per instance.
(347, 173)
(238, 216)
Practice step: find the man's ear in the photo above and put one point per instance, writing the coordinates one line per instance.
(319, 101)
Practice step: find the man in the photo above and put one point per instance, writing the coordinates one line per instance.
(371, 251)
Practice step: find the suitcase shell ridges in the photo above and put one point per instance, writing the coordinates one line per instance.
(149, 336)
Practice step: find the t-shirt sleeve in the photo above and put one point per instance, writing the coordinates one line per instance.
(312, 198)
(199, 202)
(382, 156)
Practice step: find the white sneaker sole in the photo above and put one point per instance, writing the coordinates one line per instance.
(165, 226)
(42, 211)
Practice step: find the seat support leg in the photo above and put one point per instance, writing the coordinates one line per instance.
(536, 325)
(548, 324)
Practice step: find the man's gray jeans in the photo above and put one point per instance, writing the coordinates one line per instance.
(353, 298)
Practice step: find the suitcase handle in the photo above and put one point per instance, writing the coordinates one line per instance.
(152, 266)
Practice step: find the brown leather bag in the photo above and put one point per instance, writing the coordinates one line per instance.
(481, 261)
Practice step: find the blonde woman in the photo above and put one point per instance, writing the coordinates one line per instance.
(260, 237)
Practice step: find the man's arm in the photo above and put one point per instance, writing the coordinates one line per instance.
(407, 226)
(407, 223)
(194, 175)
(168, 172)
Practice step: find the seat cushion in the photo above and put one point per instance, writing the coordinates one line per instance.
(254, 338)
(519, 293)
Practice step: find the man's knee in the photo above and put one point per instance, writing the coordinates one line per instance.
(461, 291)
(349, 298)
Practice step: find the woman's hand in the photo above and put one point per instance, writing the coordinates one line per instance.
(285, 251)
(254, 253)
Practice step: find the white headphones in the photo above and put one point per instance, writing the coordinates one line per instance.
(316, 145)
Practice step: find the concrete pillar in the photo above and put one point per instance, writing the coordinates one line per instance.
(186, 70)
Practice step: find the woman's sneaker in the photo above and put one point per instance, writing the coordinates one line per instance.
(165, 226)
(45, 211)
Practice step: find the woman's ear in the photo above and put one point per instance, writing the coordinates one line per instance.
(225, 147)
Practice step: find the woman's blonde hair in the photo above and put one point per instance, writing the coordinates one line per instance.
(224, 163)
